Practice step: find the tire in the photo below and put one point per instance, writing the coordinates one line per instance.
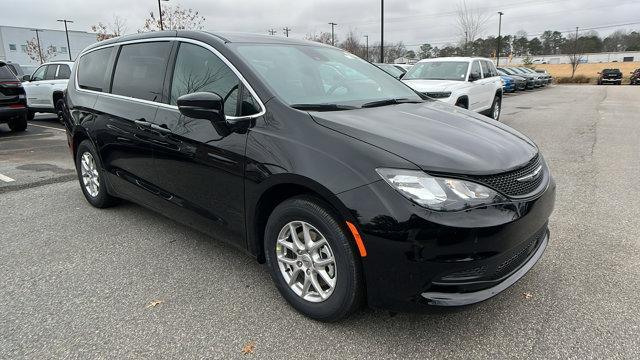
(60, 110)
(30, 115)
(18, 124)
(496, 108)
(347, 293)
(95, 195)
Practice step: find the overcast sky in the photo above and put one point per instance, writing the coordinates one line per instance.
(410, 21)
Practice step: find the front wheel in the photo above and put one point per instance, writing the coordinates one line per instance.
(312, 259)
(496, 108)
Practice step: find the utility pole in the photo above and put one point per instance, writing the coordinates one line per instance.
(271, 31)
(332, 39)
(367, 37)
(66, 31)
(381, 31)
(286, 31)
(39, 47)
(160, 12)
(499, 39)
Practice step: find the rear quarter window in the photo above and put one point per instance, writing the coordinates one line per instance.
(92, 69)
(6, 74)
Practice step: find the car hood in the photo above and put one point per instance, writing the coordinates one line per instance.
(435, 85)
(436, 137)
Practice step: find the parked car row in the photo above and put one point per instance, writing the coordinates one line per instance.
(523, 78)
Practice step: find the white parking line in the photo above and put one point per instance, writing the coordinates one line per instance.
(46, 127)
(5, 178)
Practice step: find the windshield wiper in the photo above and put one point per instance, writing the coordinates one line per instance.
(322, 107)
(386, 102)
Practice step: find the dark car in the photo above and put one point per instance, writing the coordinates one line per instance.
(392, 70)
(13, 102)
(635, 77)
(610, 76)
(520, 83)
(350, 187)
(532, 81)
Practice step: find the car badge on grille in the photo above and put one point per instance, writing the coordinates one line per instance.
(532, 176)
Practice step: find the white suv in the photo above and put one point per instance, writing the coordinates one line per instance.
(44, 88)
(471, 83)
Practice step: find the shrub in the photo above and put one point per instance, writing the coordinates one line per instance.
(578, 79)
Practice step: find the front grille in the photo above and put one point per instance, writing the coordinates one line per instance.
(514, 261)
(507, 183)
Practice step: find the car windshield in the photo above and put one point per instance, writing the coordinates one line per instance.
(315, 75)
(438, 70)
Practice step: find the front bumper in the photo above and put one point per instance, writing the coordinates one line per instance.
(611, 80)
(7, 113)
(416, 257)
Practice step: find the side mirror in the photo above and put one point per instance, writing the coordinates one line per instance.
(26, 77)
(474, 76)
(206, 106)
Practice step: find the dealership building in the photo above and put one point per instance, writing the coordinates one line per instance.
(13, 43)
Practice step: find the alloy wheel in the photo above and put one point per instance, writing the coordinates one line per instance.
(306, 261)
(496, 109)
(89, 172)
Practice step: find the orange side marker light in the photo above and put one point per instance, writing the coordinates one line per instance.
(356, 236)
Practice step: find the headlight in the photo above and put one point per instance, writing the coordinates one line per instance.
(438, 94)
(440, 194)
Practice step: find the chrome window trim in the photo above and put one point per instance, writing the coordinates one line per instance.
(169, 106)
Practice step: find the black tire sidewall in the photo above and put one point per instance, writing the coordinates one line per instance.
(103, 199)
(18, 123)
(347, 293)
(497, 99)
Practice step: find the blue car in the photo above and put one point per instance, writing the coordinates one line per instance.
(508, 84)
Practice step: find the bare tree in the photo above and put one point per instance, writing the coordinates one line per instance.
(352, 44)
(323, 37)
(110, 30)
(38, 54)
(471, 22)
(575, 56)
(174, 18)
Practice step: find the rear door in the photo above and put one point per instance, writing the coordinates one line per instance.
(123, 118)
(199, 168)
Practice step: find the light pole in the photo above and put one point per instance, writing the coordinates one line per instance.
(286, 31)
(332, 25)
(367, 38)
(39, 48)
(271, 31)
(499, 39)
(160, 12)
(66, 31)
(381, 31)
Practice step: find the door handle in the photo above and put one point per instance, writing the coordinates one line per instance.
(142, 124)
(163, 129)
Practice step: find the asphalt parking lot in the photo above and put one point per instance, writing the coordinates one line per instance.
(125, 282)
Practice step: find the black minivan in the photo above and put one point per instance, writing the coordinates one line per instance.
(351, 187)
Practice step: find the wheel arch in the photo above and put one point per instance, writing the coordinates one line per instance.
(276, 190)
(463, 99)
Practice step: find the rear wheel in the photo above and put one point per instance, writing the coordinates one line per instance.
(311, 259)
(496, 108)
(60, 110)
(18, 124)
(91, 176)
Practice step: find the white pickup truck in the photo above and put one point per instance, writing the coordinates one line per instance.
(44, 88)
(471, 83)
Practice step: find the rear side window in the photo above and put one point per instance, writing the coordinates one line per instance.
(140, 70)
(50, 73)
(491, 69)
(63, 72)
(198, 69)
(6, 74)
(485, 69)
(92, 69)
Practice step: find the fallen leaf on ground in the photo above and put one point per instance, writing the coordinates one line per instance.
(527, 295)
(154, 303)
(249, 348)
